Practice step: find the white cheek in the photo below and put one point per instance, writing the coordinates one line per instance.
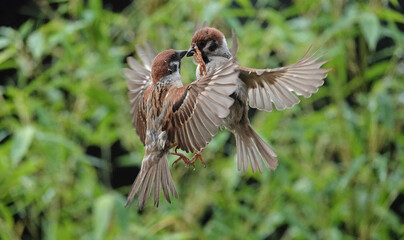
(224, 43)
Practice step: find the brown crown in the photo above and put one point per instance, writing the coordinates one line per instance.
(206, 34)
(159, 67)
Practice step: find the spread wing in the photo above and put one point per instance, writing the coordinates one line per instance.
(276, 85)
(198, 109)
(146, 54)
(138, 80)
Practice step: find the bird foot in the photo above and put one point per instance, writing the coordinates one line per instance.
(183, 158)
(187, 161)
(195, 158)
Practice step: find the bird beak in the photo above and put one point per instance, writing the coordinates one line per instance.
(181, 53)
(191, 51)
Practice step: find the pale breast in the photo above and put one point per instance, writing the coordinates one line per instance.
(215, 62)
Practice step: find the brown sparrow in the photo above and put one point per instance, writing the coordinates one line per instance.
(261, 87)
(165, 113)
(147, 54)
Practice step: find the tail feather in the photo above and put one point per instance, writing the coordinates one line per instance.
(256, 160)
(251, 149)
(155, 173)
(267, 153)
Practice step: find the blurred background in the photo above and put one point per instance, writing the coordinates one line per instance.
(68, 151)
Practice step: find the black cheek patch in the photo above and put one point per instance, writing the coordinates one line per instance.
(213, 46)
(172, 67)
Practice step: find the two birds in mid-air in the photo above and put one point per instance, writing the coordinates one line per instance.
(167, 114)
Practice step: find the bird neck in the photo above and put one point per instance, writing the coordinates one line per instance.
(172, 80)
(223, 55)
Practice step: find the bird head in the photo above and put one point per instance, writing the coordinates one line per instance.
(210, 42)
(166, 65)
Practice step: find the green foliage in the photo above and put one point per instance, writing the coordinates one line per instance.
(341, 152)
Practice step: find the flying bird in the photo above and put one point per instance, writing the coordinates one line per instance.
(166, 114)
(257, 88)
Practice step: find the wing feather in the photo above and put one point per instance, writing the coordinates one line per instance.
(138, 81)
(198, 115)
(146, 54)
(267, 86)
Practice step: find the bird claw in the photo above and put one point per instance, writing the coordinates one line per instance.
(187, 161)
(195, 158)
(183, 158)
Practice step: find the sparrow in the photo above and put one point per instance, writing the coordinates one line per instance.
(256, 88)
(147, 54)
(166, 114)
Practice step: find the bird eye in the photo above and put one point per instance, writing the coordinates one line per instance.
(202, 44)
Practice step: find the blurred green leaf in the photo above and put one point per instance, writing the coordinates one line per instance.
(8, 64)
(352, 171)
(4, 42)
(7, 32)
(6, 55)
(388, 14)
(103, 208)
(3, 134)
(370, 27)
(36, 44)
(26, 28)
(122, 213)
(21, 142)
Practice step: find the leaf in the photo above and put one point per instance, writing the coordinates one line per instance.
(7, 54)
(211, 10)
(9, 64)
(36, 44)
(6, 215)
(377, 70)
(245, 4)
(7, 32)
(21, 143)
(395, 3)
(102, 214)
(390, 15)
(3, 134)
(56, 139)
(371, 28)
(101, 96)
(352, 171)
(26, 28)
(4, 42)
(122, 212)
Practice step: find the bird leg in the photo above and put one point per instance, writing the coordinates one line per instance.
(186, 160)
(196, 156)
(202, 66)
(181, 157)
